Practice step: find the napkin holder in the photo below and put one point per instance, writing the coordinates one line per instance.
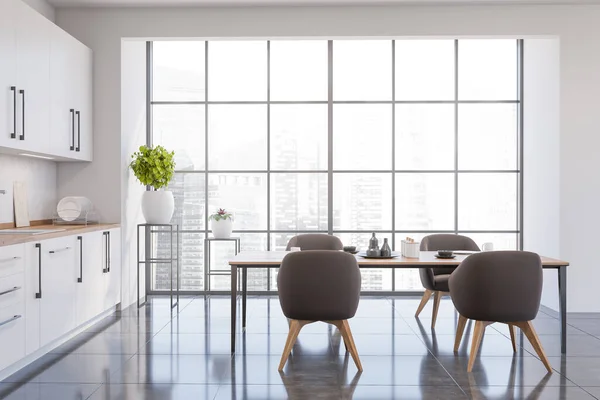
(410, 249)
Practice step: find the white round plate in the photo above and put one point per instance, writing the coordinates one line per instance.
(71, 208)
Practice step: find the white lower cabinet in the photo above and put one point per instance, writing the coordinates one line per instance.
(12, 306)
(12, 334)
(33, 260)
(12, 260)
(100, 286)
(113, 273)
(66, 282)
(59, 284)
(50, 283)
(11, 290)
(90, 288)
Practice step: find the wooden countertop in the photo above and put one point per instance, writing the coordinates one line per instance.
(67, 230)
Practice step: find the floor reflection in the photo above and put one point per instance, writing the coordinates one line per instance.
(481, 390)
(184, 353)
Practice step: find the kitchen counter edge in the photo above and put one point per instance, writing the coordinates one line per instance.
(69, 230)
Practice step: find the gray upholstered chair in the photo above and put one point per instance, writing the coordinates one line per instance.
(498, 286)
(315, 241)
(435, 280)
(319, 285)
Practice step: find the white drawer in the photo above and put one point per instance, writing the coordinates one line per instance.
(12, 259)
(12, 290)
(12, 334)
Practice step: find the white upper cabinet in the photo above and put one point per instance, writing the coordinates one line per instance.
(46, 83)
(8, 73)
(33, 79)
(70, 99)
(62, 97)
(83, 94)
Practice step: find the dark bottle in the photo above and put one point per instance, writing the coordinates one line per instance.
(373, 250)
(373, 242)
(385, 251)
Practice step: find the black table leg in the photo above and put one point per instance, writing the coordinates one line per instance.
(244, 290)
(562, 292)
(233, 305)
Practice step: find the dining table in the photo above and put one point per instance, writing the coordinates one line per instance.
(246, 260)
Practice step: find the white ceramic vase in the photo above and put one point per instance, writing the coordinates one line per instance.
(222, 228)
(158, 206)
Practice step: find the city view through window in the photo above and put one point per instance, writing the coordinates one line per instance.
(348, 137)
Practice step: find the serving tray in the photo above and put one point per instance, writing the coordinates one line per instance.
(363, 254)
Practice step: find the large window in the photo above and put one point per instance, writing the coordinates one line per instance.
(348, 137)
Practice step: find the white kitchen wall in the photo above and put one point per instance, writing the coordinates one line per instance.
(43, 7)
(575, 26)
(40, 178)
(541, 146)
(133, 123)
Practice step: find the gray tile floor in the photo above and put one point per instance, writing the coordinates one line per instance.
(184, 354)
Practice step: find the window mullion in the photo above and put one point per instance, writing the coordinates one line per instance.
(456, 164)
(206, 261)
(268, 158)
(330, 137)
(393, 158)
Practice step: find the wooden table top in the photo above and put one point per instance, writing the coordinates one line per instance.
(66, 230)
(426, 258)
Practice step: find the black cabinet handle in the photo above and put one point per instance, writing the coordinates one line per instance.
(105, 266)
(38, 295)
(108, 255)
(78, 131)
(13, 135)
(14, 289)
(80, 279)
(72, 145)
(14, 318)
(59, 250)
(22, 136)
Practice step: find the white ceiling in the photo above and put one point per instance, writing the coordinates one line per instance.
(213, 3)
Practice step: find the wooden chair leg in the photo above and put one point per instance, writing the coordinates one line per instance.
(477, 336)
(349, 340)
(529, 331)
(437, 296)
(295, 327)
(511, 330)
(460, 329)
(340, 326)
(424, 300)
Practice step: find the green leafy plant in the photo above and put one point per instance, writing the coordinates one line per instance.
(153, 166)
(221, 214)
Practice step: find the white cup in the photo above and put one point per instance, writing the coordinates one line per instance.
(295, 249)
(489, 246)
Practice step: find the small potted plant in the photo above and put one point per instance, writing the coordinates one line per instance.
(154, 167)
(221, 224)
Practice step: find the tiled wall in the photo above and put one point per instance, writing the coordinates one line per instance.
(40, 178)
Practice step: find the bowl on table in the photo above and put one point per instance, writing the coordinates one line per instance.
(350, 249)
(445, 253)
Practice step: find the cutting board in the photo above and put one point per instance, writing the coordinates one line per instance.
(20, 204)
